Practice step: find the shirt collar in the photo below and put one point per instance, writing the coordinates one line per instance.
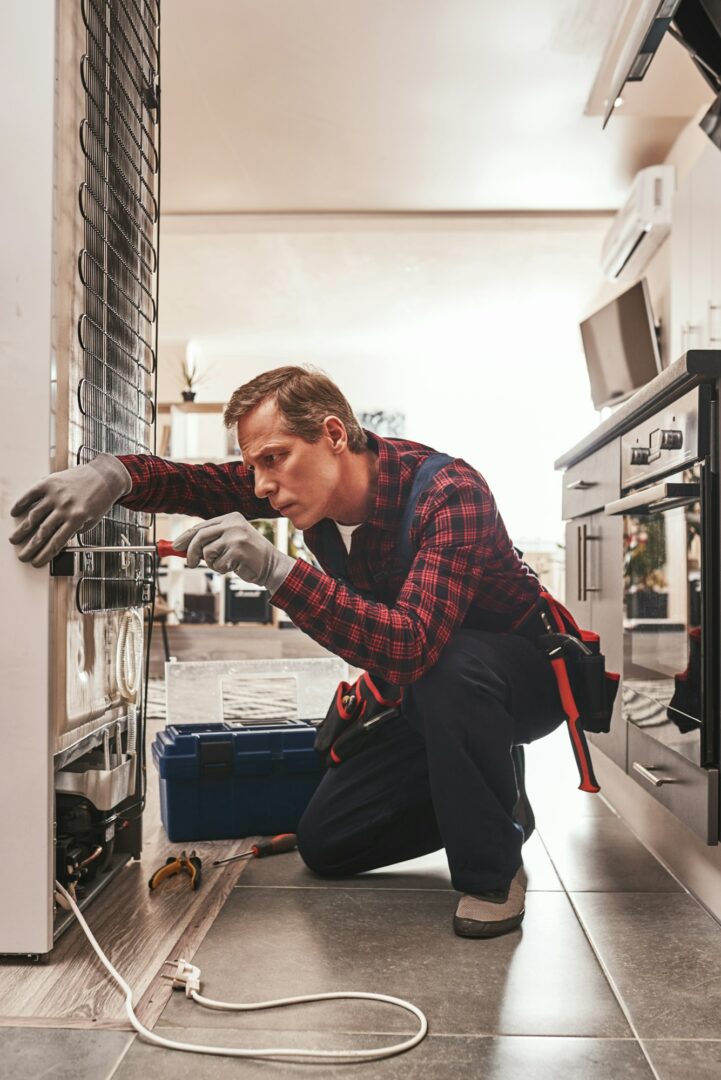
(393, 478)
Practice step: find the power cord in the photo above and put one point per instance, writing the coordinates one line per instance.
(187, 976)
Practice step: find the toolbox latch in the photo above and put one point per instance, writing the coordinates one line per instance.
(216, 757)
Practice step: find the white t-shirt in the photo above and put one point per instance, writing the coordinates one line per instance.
(346, 533)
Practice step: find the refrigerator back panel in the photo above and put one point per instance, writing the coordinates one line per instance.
(104, 340)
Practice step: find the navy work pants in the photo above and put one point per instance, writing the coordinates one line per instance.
(441, 774)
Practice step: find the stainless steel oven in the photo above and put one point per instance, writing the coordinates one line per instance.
(669, 504)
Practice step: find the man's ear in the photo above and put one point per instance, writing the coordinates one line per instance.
(334, 430)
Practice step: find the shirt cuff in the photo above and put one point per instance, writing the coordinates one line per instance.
(299, 594)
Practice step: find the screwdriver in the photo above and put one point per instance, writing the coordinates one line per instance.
(275, 846)
(162, 548)
(165, 548)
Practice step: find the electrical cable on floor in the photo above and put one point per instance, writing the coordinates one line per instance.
(188, 975)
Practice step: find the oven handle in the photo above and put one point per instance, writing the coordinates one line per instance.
(651, 499)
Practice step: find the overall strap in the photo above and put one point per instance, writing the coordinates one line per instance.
(334, 562)
(424, 474)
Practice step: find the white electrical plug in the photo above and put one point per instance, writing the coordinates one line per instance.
(186, 975)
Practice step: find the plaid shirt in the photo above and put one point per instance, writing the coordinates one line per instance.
(465, 571)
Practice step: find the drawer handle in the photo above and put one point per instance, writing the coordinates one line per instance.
(647, 772)
(581, 485)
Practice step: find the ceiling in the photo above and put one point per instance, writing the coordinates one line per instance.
(393, 105)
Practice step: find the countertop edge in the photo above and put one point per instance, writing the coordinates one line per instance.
(693, 368)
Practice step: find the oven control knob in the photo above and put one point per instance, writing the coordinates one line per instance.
(640, 455)
(671, 440)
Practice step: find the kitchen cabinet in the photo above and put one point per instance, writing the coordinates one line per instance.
(594, 596)
(594, 569)
(193, 433)
(696, 257)
(641, 571)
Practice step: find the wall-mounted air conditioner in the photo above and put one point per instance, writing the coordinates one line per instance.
(641, 225)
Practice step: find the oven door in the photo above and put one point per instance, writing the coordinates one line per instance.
(668, 683)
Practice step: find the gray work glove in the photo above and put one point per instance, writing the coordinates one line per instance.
(231, 544)
(66, 503)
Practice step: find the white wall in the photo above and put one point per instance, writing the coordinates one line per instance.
(469, 328)
(683, 155)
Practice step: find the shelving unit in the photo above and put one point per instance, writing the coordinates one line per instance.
(193, 432)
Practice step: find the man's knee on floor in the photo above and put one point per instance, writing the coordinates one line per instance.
(315, 851)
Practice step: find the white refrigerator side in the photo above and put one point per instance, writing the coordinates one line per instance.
(27, 62)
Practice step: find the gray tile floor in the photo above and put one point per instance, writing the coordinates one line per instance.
(614, 975)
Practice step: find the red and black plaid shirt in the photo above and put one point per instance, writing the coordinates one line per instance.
(465, 571)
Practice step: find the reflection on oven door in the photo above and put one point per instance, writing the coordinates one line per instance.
(662, 685)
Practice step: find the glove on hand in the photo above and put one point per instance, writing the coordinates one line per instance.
(230, 543)
(355, 712)
(66, 503)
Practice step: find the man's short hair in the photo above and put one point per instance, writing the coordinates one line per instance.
(305, 397)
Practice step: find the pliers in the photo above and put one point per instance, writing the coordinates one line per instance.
(191, 864)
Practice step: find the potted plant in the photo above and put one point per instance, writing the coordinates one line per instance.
(191, 378)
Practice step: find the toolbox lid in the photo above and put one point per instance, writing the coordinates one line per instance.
(241, 748)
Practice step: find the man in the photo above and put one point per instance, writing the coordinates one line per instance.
(441, 773)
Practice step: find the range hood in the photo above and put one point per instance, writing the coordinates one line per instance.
(695, 24)
(633, 46)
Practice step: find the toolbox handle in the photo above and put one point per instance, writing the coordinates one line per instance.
(216, 757)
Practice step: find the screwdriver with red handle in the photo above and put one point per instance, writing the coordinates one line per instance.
(162, 548)
(275, 846)
(165, 548)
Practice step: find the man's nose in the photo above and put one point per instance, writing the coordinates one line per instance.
(264, 486)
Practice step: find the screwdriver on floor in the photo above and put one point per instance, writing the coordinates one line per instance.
(275, 846)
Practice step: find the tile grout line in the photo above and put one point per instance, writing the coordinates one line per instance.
(438, 1034)
(601, 963)
(124, 1053)
(359, 888)
(343, 886)
(672, 873)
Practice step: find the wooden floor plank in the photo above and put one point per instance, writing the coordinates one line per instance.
(138, 930)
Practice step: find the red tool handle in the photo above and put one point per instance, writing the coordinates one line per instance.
(578, 739)
(165, 548)
(275, 846)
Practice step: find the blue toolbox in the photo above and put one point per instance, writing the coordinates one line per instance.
(228, 780)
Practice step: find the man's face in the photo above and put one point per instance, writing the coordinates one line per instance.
(299, 478)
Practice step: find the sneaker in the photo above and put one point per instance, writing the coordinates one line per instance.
(491, 914)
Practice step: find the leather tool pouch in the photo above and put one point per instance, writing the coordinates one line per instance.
(594, 688)
(355, 714)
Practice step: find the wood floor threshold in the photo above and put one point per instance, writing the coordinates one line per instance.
(160, 991)
(74, 981)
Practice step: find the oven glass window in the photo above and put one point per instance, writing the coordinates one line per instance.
(662, 688)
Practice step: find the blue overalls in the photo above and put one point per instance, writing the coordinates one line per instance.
(441, 773)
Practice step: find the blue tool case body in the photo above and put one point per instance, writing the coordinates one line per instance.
(222, 781)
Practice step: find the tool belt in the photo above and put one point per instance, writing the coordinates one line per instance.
(587, 691)
(355, 713)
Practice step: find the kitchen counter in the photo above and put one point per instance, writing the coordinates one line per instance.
(693, 368)
(675, 813)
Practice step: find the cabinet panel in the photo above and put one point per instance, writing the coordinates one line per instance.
(688, 791)
(578, 603)
(605, 575)
(701, 216)
(680, 269)
(594, 596)
(696, 258)
(714, 227)
(590, 484)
